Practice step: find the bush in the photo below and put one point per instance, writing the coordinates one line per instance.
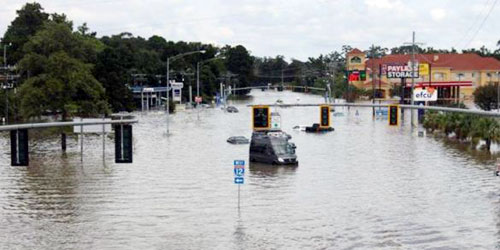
(466, 127)
(485, 97)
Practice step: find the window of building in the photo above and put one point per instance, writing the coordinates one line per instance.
(356, 59)
(460, 76)
(438, 76)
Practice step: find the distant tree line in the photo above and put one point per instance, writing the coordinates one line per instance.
(66, 71)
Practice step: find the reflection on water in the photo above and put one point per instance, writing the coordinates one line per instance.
(366, 185)
(259, 170)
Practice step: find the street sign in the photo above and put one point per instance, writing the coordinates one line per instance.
(239, 171)
(239, 180)
(198, 99)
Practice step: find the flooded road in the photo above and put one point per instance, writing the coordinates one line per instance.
(364, 186)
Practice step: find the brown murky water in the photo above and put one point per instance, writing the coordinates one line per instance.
(364, 186)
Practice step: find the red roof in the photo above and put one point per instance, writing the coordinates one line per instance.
(355, 51)
(469, 61)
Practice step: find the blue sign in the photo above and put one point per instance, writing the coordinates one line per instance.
(239, 180)
(239, 162)
(239, 172)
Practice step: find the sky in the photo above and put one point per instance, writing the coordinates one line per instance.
(296, 29)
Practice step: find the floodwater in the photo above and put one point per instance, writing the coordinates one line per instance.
(364, 186)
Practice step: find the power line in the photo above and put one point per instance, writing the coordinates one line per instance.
(476, 19)
(482, 23)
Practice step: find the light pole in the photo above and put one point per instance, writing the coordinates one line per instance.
(173, 58)
(6, 81)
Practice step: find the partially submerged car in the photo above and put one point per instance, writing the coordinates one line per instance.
(238, 140)
(232, 109)
(272, 147)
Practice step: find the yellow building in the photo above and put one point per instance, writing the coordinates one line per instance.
(454, 75)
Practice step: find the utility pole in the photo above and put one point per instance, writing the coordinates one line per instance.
(168, 95)
(282, 77)
(6, 87)
(412, 78)
(413, 43)
(198, 79)
(373, 79)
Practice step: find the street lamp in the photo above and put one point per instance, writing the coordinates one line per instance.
(173, 58)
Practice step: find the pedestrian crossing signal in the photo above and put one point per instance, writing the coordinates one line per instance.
(324, 116)
(261, 117)
(393, 115)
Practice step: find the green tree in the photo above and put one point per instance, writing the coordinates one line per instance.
(61, 79)
(239, 62)
(485, 97)
(28, 21)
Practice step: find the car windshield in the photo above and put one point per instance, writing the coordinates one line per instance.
(282, 147)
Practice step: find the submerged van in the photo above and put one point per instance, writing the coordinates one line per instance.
(272, 147)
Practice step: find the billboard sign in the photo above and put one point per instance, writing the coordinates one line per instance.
(396, 70)
(427, 94)
(423, 69)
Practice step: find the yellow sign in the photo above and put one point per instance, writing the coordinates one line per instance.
(423, 69)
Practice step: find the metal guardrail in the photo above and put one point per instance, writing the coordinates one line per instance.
(63, 124)
(403, 106)
(284, 86)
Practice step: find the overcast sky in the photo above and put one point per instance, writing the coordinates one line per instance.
(293, 28)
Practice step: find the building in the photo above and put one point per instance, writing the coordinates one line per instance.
(454, 75)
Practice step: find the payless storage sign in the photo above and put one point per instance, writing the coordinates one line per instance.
(423, 95)
(400, 70)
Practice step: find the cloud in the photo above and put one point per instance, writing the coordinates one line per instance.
(382, 4)
(438, 14)
(293, 28)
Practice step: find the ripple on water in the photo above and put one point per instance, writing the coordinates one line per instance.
(364, 186)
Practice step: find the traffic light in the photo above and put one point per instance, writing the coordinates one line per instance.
(393, 115)
(123, 143)
(19, 153)
(261, 117)
(324, 116)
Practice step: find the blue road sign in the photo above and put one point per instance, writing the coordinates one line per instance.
(239, 162)
(239, 180)
(239, 172)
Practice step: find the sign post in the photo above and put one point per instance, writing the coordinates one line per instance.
(239, 175)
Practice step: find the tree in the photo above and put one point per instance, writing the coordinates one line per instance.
(239, 62)
(29, 20)
(485, 97)
(61, 80)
